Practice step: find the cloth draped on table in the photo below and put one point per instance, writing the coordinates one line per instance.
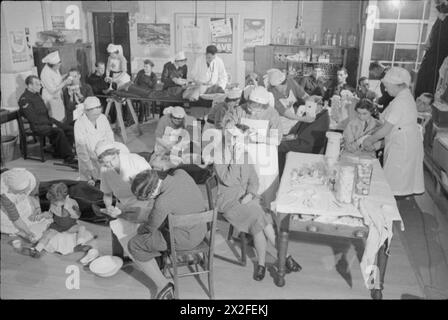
(380, 230)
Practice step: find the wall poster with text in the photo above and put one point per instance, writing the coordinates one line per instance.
(18, 46)
(222, 34)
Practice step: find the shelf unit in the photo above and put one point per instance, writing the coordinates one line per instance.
(274, 56)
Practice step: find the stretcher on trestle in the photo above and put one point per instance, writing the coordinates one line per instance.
(130, 93)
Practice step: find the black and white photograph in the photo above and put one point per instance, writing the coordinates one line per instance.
(235, 156)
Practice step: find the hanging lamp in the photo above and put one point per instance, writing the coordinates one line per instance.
(195, 13)
(155, 12)
(225, 11)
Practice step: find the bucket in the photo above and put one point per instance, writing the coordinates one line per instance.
(8, 148)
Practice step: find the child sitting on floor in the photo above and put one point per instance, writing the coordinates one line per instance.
(65, 213)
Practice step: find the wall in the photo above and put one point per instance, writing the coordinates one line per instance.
(317, 15)
(143, 11)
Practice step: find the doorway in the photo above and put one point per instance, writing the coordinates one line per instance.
(111, 27)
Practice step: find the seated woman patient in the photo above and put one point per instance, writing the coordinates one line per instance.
(174, 193)
(361, 127)
(239, 200)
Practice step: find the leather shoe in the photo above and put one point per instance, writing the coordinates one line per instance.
(167, 293)
(260, 272)
(292, 265)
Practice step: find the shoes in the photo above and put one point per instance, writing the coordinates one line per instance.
(167, 293)
(91, 255)
(82, 248)
(260, 272)
(72, 162)
(32, 252)
(292, 265)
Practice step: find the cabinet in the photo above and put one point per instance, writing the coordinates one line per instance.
(72, 55)
(275, 56)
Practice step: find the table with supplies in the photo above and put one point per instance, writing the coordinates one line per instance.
(306, 202)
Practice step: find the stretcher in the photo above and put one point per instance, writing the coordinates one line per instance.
(134, 93)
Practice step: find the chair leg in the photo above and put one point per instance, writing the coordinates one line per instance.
(230, 234)
(211, 289)
(243, 240)
(175, 277)
(42, 146)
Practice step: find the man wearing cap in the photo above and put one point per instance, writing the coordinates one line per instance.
(174, 74)
(219, 110)
(74, 94)
(33, 108)
(53, 83)
(90, 128)
(209, 71)
(403, 152)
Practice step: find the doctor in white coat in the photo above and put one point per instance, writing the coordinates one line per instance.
(52, 85)
(90, 128)
(403, 157)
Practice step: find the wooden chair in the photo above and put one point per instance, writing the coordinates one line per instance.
(178, 258)
(25, 132)
(211, 186)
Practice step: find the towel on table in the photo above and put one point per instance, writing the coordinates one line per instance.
(380, 230)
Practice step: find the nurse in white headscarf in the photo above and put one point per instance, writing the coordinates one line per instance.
(116, 67)
(403, 157)
(19, 205)
(90, 128)
(52, 85)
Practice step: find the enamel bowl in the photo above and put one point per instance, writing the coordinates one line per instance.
(106, 266)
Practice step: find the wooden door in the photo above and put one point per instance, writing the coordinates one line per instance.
(111, 27)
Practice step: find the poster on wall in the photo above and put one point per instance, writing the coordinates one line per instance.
(154, 35)
(17, 41)
(222, 36)
(254, 30)
(192, 37)
(58, 22)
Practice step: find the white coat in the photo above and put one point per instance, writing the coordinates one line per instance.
(403, 156)
(52, 97)
(86, 138)
(215, 74)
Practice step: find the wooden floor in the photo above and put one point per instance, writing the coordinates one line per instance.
(45, 278)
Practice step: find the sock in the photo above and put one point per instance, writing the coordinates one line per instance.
(39, 247)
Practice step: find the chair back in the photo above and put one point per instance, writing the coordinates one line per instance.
(211, 186)
(189, 220)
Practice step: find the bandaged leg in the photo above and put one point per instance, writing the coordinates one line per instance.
(124, 231)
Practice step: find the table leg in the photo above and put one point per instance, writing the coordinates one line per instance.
(121, 122)
(283, 228)
(134, 115)
(109, 104)
(381, 262)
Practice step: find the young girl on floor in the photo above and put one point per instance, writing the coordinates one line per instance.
(65, 213)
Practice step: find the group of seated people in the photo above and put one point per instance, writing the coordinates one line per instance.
(258, 123)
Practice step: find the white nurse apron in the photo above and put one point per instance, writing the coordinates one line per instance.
(50, 80)
(403, 160)
(264, 157)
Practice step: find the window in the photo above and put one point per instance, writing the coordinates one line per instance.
(400, 31)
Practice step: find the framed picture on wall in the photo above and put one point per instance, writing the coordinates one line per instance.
(154, 35)
(253, 34)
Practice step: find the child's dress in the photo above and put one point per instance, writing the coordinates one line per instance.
(66, 216)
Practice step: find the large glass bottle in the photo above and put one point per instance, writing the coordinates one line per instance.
(339, 38)
(328, 38)
(302, 40)
(333, 39)
(351, 39)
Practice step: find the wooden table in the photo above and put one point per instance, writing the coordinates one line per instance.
(286, 212)
(8, 115)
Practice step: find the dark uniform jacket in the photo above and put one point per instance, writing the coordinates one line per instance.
(335, 89)
(34, 109)
(170, 71)
(312, 86)
(70, 102)
(144, 81)
(97, 83)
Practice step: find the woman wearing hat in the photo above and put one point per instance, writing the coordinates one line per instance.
(19, 204)
(118, 168)
(52, 85)
(174, 193)
(90, 128)
(264, 136)
(116, 67)
(403, 153)
(174, 74)
(286, 93)
(219, 110)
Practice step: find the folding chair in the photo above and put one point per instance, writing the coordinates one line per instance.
(25, 132)
(212, 185)
(178, 258)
